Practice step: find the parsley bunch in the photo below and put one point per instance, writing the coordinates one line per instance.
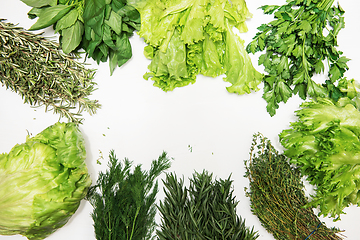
(123, 201)
(205, 210)
(298, 44)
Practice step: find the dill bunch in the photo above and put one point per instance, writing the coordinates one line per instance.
(38, 70)
(124, 201)
(204, 211)
(277, 196)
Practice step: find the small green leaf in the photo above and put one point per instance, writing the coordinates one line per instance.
(297, 51)
(270, 80)
(252, 47)
(115, 22)
(34, 13)
(305, 25)
(315, 90)
(107, 37)
(287, 16)
(39, 3)
(50, 15)
(283, 90)
(269, 9)
(124, 51)
(334, 73)
(67, 21)
(261, 42)
(112, 62)
(299, 78)
(271, 103)
(72, 36)
(319, 67)
(300, 89)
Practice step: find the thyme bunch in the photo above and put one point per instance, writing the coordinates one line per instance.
(38, 70)
(123, 201)
(206, 210)
(277, 196)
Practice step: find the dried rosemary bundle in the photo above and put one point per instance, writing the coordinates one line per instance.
(277, 196)
(38, 70)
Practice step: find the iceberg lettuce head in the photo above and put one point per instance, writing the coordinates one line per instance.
(42, 182)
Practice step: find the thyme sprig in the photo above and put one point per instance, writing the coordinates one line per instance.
(277, 196)
(38, 70)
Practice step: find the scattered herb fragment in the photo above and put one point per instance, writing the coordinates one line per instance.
(43, 75)
(108, 27)
(205, 210)
(64, 15)
(187, 38)
(324, 143)
(124, 201)
(277, 196)
(42, 182)
(298, 44)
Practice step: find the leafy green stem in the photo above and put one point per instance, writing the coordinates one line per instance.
(304, 60)
(133, 225)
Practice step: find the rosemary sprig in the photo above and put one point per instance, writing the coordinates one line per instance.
(123, 201)
(277, 196)
(204, 211)
(38, 70)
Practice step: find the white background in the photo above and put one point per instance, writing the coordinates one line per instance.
(201, 126)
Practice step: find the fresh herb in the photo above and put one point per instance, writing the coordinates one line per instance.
(187, 38)
(124, 201)
(298, 44)
(108, 27)
(207, 210)
(277, 195)
(324, 143)
(43, 75)
(64, 15)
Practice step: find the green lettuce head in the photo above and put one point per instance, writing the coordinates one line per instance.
(42, 182)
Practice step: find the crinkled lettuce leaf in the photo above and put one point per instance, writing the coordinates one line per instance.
(211, 47)
(325, 143)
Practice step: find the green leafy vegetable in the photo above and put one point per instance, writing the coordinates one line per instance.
(187, 38)
(277, 195)
(297, 43)
(65, 16)
(42, 182)
(43, 75)
(324, 143)
(108, 27)
(205, 210)
(123, 201)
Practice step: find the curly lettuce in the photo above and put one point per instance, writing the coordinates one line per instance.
(187, 38)
(42, 182)
(324, 143)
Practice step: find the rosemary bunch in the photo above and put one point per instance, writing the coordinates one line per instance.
(123, 201)
(277, 196)
(38, 70)
(207, 210)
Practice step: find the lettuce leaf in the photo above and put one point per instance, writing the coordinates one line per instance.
(325, 143)
(204, 31)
